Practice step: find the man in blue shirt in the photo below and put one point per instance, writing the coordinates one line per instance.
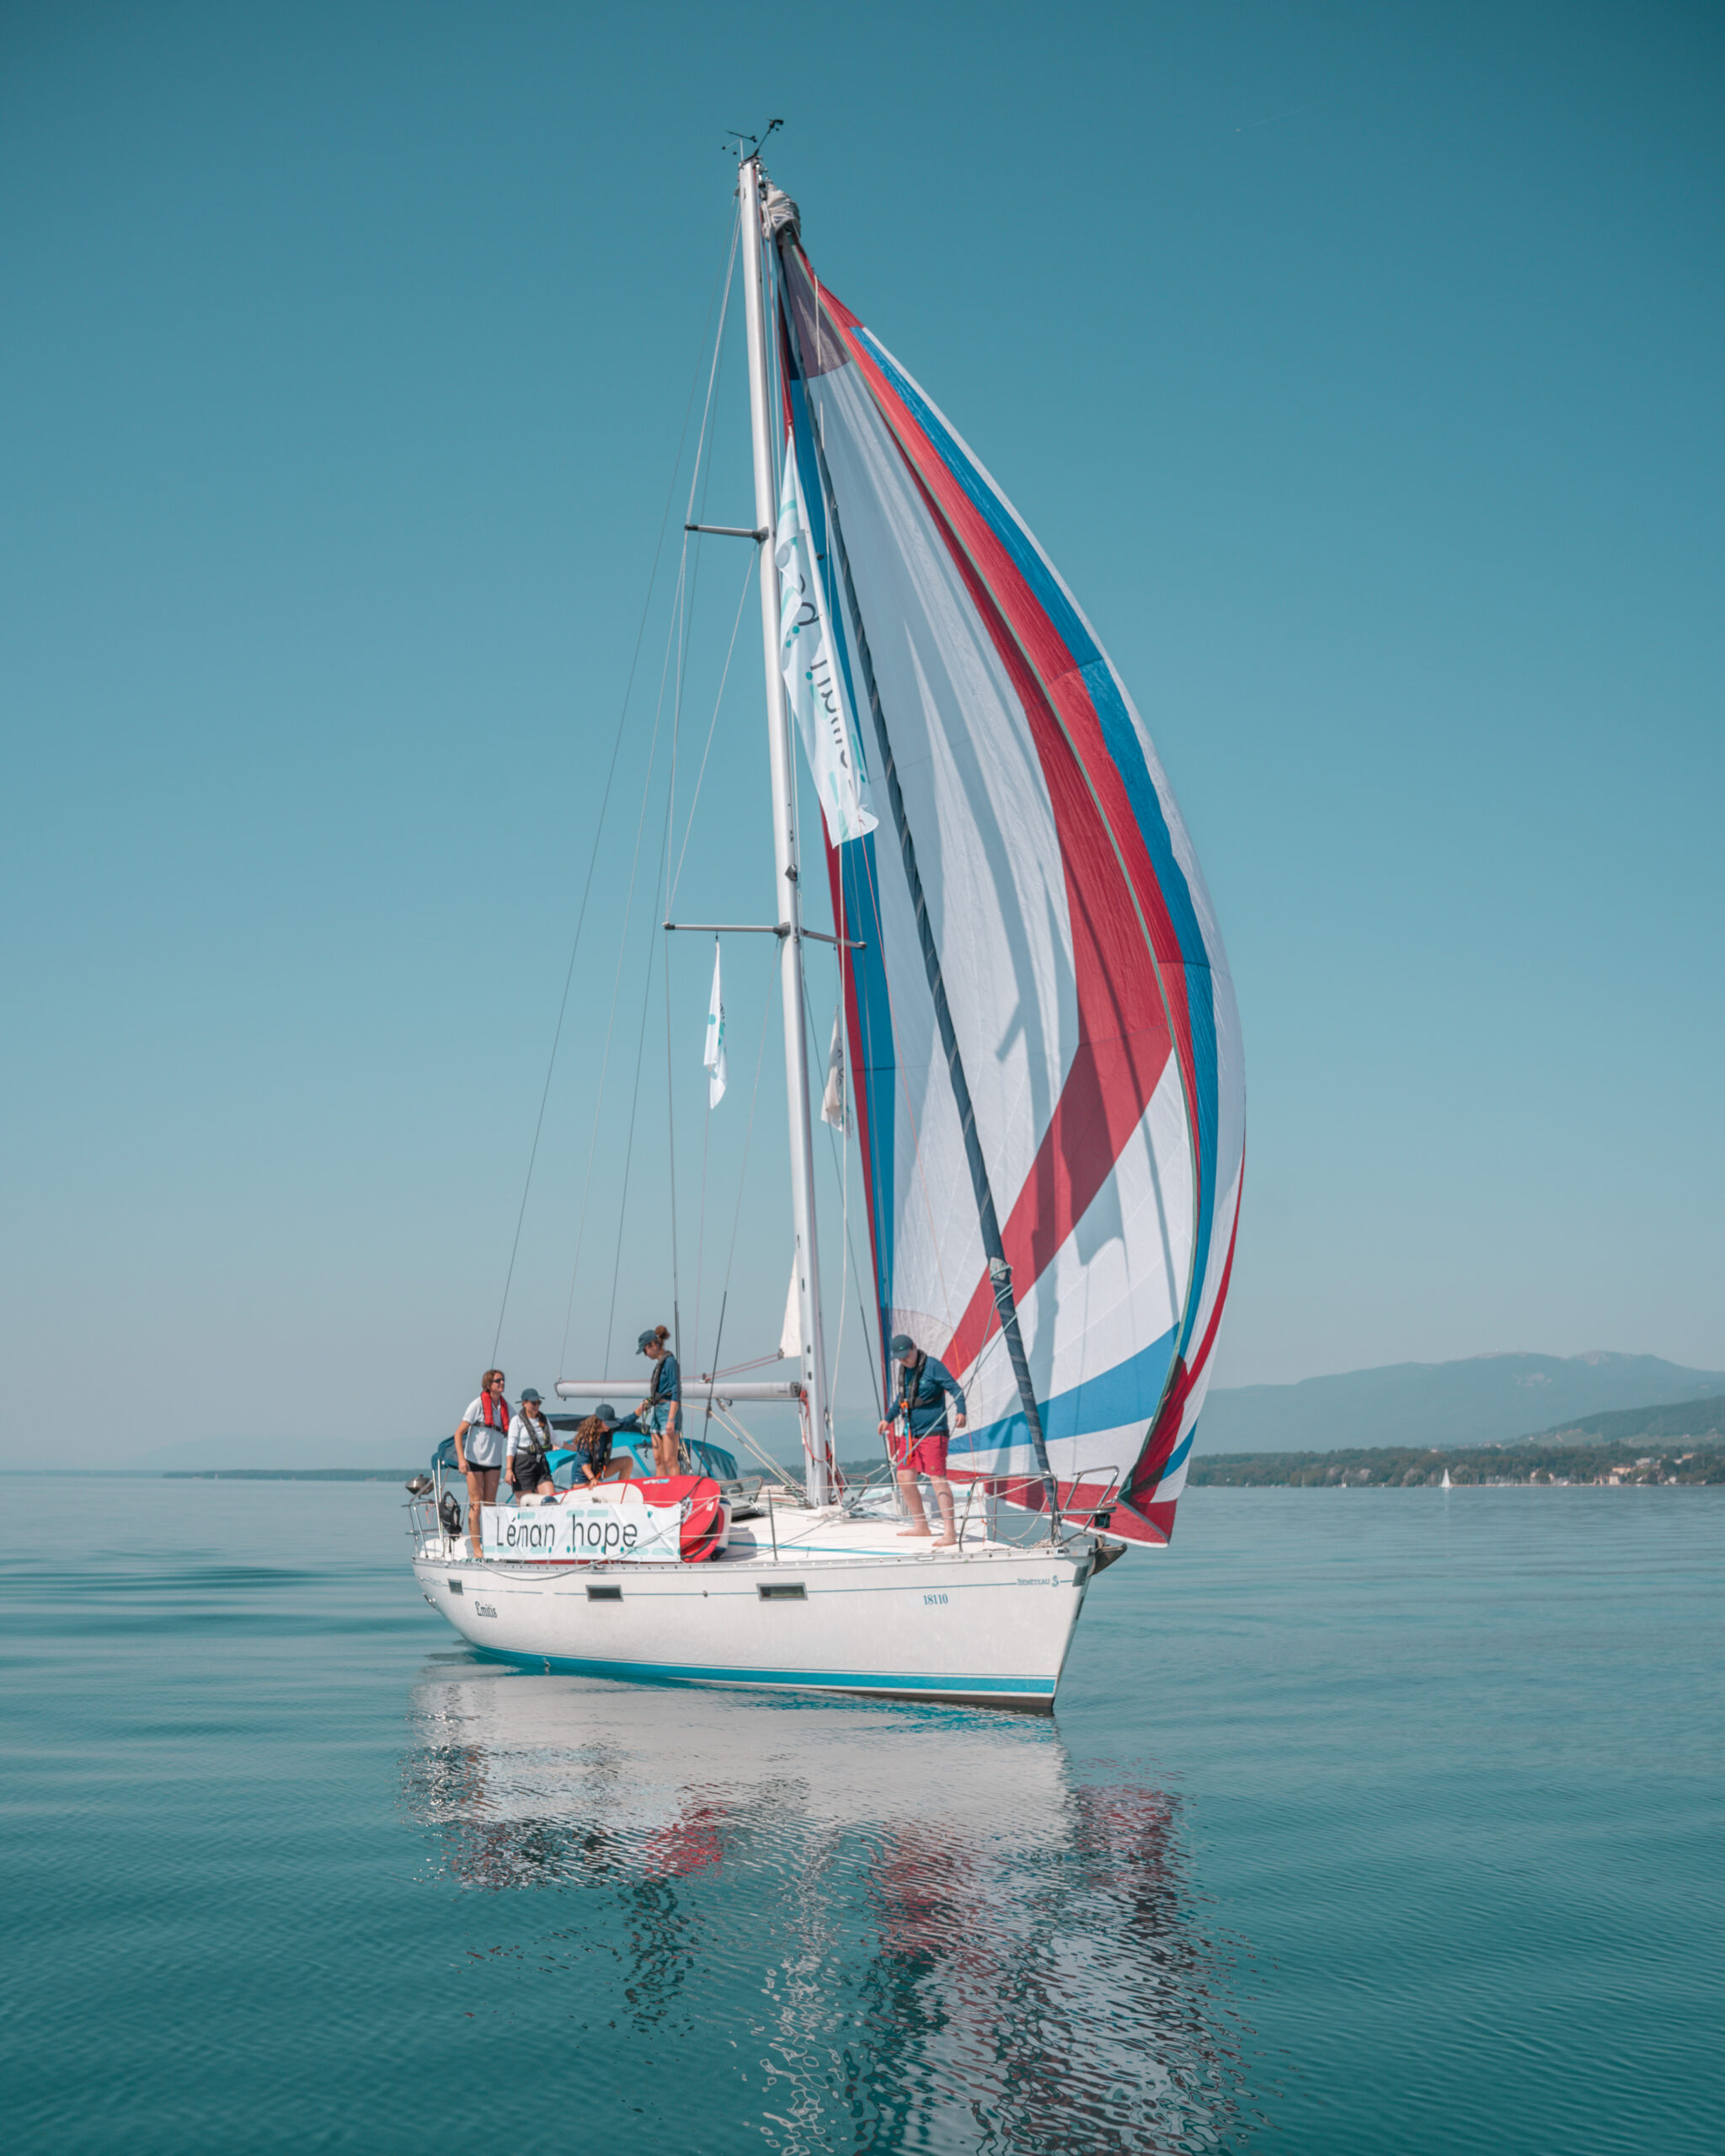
(919, 1427)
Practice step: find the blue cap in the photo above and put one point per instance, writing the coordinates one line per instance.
(528, 1393)
(649, 1338)
(903, 1344)
(606, 1413)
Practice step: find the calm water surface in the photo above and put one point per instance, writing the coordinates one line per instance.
(1370, 1820)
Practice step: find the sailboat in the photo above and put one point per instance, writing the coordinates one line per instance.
(1045, 1058)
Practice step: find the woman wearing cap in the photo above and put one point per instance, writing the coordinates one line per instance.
(662, 1410)
(594, 1464)
(481, 1440)
(919, 1420)
(527, 1470)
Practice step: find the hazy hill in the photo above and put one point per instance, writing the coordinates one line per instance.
(1686, 1420)
(1486, 1400)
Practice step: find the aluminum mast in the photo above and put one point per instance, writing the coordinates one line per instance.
(789, 905)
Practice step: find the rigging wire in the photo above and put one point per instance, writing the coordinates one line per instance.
(700, 478)
(616, 991)
(852, 1269)
(677, 879)
(694, 799)
(647, 984)
(742, 1185)
(725, 279)
(728, 280)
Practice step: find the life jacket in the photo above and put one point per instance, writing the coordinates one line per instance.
(911, 1383)
(493, 1413)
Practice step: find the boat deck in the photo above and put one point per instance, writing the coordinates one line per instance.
(794, 1535)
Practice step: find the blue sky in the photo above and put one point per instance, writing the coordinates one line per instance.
(1359, 367)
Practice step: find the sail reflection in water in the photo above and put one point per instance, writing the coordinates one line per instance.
(845, 1927)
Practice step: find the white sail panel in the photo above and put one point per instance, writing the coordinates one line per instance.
(1064, 924)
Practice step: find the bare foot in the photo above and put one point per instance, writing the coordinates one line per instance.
(904, 1531)
(946, 1542)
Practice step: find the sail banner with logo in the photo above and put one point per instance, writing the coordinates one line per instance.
(816, 688)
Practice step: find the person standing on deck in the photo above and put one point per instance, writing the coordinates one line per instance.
(660, 1414)
(481, 1442)
(527, 1470)
(920, 1414)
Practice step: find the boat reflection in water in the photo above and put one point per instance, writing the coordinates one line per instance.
(855, 1923)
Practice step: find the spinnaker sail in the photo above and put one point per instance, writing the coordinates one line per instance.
(1092, 1031)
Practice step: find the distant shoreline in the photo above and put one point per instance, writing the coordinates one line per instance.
(1526, 1464)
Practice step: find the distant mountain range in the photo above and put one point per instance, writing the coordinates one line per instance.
(1485, 1400)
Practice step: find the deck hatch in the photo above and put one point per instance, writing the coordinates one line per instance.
(784, 1591)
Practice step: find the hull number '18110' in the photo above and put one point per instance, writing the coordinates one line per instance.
(934, 1598)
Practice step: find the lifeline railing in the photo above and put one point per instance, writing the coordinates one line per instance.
(1090, 1519)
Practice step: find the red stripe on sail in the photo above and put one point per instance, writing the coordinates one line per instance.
(1123, 1035)
(1165, 1435)
(1058, 671)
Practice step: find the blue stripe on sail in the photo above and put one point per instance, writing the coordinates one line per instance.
(1130, 1392)
(698, 1672)
(1176, 1458)
(876, 1068)
(876, 1076)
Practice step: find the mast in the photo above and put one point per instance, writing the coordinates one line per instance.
(789, 913)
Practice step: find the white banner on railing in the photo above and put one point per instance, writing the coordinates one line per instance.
(612, 1532)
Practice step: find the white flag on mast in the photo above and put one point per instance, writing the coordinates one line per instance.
(809, 660)
(832, 1100)
(712, 1055)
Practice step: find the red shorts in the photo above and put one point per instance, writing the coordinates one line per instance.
(927, 1455)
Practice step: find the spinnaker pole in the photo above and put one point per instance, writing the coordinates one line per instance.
(789, 913)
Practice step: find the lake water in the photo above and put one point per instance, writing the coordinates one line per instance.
(1369, 1821)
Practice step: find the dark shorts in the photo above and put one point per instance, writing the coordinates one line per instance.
(489, 1467)
(539, 1477)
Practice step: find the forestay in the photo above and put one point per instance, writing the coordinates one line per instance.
(1090, 998)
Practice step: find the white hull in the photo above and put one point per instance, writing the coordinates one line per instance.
(986, 1625)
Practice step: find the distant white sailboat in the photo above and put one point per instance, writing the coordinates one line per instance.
(1446, 1483)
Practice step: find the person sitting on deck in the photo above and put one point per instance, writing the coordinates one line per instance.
(661, 1413)
(527, 1470)
(480, 1440)
(920, 1424)
(594, 1464)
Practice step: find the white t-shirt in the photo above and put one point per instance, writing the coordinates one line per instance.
(484, 1442)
